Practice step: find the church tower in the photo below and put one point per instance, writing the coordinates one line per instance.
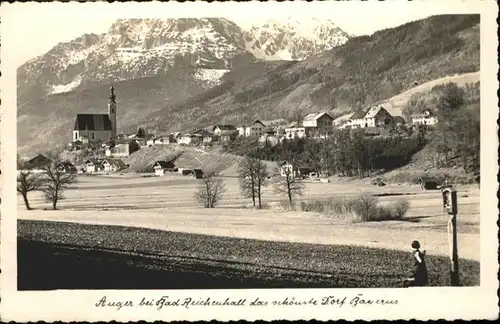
(112, 111)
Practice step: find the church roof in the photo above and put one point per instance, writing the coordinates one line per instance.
(93, 122)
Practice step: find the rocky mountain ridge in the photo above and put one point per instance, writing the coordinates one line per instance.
(141, 48)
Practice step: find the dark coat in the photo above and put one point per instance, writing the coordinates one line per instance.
(420, 269)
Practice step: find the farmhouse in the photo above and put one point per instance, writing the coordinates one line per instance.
(37, 162)
(255, 129)
(96, 127)
(374, 117)
(123, 148)
(93, 165)
(113, 165)
(225, 133)
(319, 123)
(425, 117)
(161, 166)
(66, 167)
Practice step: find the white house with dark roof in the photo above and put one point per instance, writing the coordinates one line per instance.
(317, 123)
(113, 165)
(161, 166)
(374, 117)
(93, 165)
(97, 127)
(425, 117)
(256, 128)
(225, 133)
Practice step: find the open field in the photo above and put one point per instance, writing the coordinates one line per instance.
(152, 259)
(395, 104)
(168, 203)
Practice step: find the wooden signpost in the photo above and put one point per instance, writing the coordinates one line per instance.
(450, 206)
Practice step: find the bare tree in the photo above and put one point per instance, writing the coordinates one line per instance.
(287, 182)
(55, 181)
(210, 189)
(253, 175)
(26, 182)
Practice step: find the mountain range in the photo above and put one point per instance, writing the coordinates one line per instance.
(139, 48)
(173, 75)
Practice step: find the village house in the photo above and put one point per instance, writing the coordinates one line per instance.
(295, 132)
(93, 165)
(66, 167)
(206, 136)
(269, 139)
(97, 126)
(123, 148)
(163, 140)
(150, 140)
(37, 162)
(190, 139)
(225, 133)
(317, 124)
(425, 117)
(257, 128)
(161, 166)
(374, 117)
(113, 165)
(295, 170)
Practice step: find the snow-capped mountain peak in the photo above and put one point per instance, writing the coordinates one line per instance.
(290, 39)
(138, 48)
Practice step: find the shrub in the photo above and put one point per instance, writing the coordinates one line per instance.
(146, 169)
(394, 211)
(328, 206)
(366, 207)
(286, 205)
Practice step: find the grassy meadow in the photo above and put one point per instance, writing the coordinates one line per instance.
(154, 224)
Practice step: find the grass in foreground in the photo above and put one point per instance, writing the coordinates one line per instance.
(75, 256)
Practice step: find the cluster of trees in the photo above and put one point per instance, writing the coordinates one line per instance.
(253, 176)
(458, 131)
(347, 153)
(52, 181)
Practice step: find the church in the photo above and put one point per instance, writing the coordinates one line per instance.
(97, 127)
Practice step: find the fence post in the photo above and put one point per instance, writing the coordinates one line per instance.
(450, 206)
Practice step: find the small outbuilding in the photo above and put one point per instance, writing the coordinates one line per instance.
(197, 173)
(428, 183)
(67, 167)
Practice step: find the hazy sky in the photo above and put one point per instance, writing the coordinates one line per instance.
(37, 27)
